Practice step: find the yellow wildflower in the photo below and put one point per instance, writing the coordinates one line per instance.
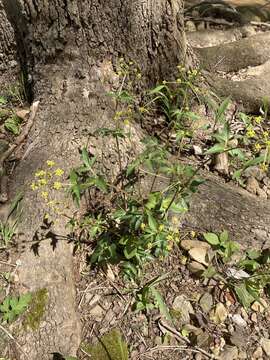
(44, 195)
(51, 203)
(59, 172)
(149, 246)
(42, 182)
(258, 147)
(266, 134)
(193, 233)
(57, 185)
(40, 173)
(178, 81)
(267, 143)
(50, 163)
(126, 122)
(264, 167)
(161, 227)
(258, 119)
(251, 133)
(34, 186)
(143, 226)
(139, 76)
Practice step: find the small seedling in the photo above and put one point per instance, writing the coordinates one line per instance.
(14, 306)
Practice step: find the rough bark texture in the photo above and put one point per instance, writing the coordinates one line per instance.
(219, 207)
(8, 55)
(70, 48)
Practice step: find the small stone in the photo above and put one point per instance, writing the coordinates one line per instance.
(238, 320)
(23, 113)
(252, 185)
(196, 268)
(219, 314)
(190, 26)
(261, 193)
(244, 314)
(238, 338)
(259, 306)
(199, 254)
(183, 308)
(258, 353)
(198, 356)
(242, 355)
(254, 318)
(260, 234)
(203, 340)
(92, 300)
(97, 312)
(254, 172)
(266, 346)
(197, 150)
(229, 353)
(206, 302)
(189, 244)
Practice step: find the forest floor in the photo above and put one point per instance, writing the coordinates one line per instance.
(197, 313)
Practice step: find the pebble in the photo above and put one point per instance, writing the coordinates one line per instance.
(195, 268)
(189, 244)
(238, 320)
(206, 302)
(266, 346)
(220, 314)
(229, 353)
(184, 307)
(259, 306)
(254, 318)
(199, 254)
(258, 353)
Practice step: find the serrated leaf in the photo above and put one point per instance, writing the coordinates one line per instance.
(211, 238)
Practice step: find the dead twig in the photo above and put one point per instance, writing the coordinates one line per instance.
(182, 338)
(14, 340)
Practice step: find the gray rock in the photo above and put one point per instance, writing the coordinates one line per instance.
(184, 307)
(189, 244)
(206, 302)
(266, 346)
(229, 353)
(255, 172)
(258, 353)
(196, 268)
(239, 338)
(238, 320)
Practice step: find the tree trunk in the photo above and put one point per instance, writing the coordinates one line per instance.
(70, 49)
(8, 56)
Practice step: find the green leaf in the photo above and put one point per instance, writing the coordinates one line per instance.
(152, 222)
(211, 238)
(161, 304)
(218, 148)
(224, 237)
(209, 272)
(100, 183)
(252, 162)
(130, 251)
(157, 90)
(243, 295)
(222, 108)
(13, 124)
(3, 101)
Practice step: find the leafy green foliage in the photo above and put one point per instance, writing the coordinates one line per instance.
(9, 226)
(110, 347)
(248, 285)
(13, 124)
(224, 247)
(13, 306)
(148, 298)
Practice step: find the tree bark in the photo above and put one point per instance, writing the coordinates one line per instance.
(69, 49)
(8, 56)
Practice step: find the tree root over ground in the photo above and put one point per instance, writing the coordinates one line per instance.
(240, 69)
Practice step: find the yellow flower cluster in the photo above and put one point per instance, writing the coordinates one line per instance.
(47, 180)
